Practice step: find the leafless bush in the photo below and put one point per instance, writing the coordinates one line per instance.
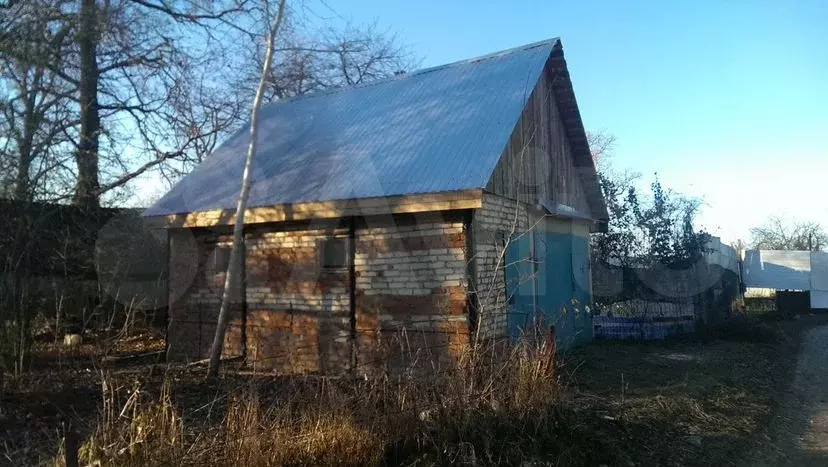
(17, 309)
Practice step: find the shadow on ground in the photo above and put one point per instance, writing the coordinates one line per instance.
(798, 433)
(703, 402)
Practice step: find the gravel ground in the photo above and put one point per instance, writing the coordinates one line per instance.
(798, 435)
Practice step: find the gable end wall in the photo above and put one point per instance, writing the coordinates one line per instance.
(538, 162)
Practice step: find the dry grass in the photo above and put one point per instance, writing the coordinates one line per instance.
(694, 402)
(489, 409)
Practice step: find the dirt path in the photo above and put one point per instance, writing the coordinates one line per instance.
(798, 435)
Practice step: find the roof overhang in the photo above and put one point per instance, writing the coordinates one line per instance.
(564, 211)
(575, 132)
(406, 204)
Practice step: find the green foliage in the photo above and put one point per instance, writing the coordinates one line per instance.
(619, 240)
(657, 229)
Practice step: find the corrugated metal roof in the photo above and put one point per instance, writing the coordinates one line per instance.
(435, 130)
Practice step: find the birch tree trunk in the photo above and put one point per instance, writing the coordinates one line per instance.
(238, 227)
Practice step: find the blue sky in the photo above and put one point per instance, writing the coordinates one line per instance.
(726, 100)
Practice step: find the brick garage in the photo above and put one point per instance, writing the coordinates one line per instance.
(382, 219)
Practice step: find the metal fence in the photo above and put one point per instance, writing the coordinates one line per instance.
(652, 303)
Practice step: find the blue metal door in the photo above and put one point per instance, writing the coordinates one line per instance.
(556, 293)
(547, 282)
(519, 283)
(581, 284)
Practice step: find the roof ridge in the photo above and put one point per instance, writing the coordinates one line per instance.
(520, 48)
(405, 75)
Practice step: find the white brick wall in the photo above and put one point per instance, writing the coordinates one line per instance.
(493, 223)
(261, 243)
(414, 271)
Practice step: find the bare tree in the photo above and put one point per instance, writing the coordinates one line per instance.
(153, 86)
(126, 62)
(782, 234)
(199, 119)
(273, 24)
(601, 145)
(739, 246)
(86, 158)
(331, 58)
(34, 112)
(34, 122)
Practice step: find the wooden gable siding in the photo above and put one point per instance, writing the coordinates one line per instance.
(538, 163)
